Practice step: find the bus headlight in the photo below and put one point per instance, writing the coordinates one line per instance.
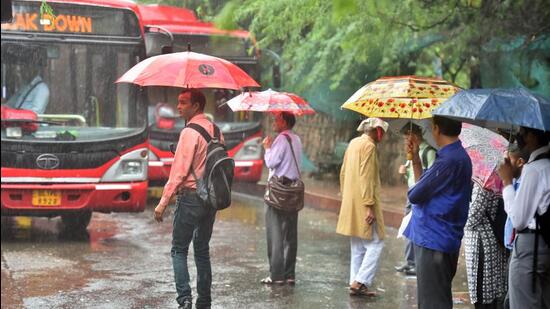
(131, 167)
(251, 150)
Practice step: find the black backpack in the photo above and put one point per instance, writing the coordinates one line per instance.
(214, 188)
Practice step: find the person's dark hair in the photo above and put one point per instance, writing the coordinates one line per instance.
(289, 119)
(196, 97)
(515, 151)
(414, 129)
(447, 126)
(543, 137)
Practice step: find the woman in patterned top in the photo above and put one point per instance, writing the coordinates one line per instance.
(485, 256)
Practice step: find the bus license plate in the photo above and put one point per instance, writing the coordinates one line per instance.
(46, 198)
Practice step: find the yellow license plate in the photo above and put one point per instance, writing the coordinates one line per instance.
(46, 198)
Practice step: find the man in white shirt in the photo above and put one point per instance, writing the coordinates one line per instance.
(529, 287)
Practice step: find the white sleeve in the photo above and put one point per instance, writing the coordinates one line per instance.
(521, 206)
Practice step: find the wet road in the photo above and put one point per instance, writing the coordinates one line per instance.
(123, 261)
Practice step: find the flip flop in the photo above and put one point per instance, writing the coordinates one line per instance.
(270, 282)
(362, 291)
(291, 281)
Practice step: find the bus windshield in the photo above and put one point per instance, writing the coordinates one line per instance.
(69, 87)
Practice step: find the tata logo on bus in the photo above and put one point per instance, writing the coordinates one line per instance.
(58, 23)
(47, 161)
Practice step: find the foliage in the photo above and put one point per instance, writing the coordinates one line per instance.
(331, 48)
(46, 10)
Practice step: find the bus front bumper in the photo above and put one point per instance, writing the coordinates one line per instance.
(57, 199)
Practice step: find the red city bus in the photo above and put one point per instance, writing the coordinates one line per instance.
(172, 29)
(79, 143)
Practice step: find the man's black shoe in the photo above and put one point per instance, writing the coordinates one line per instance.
(187, 304)
(411, 271)
(403, 268)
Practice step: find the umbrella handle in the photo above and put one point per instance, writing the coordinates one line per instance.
(409, 153)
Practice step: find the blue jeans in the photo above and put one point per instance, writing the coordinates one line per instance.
(193, 221)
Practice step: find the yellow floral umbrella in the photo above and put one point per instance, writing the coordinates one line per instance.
(409, 97)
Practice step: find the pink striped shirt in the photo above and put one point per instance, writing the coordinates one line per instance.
(191, 152)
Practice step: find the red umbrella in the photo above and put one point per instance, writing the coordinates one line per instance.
(188, 70)
(270, 101)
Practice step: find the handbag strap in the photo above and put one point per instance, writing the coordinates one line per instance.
(293, 154)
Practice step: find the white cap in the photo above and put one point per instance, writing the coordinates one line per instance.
(371, 123)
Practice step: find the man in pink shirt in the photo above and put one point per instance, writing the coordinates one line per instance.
(193, 220)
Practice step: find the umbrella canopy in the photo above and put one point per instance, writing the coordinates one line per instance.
(498, 108)
(486, 150)
(400, 97)
(188, 70)
(270, 101)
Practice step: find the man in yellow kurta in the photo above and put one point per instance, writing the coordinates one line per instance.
(361, 214)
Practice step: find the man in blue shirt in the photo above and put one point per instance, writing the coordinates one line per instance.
(440, 202)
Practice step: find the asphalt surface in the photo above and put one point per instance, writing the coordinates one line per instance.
(123, 261)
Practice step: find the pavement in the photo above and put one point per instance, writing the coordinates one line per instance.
(123, 261)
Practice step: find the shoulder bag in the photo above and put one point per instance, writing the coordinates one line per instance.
(283, 193)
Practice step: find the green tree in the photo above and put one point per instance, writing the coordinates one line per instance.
(331, 48)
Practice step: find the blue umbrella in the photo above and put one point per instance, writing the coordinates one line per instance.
(498, 108)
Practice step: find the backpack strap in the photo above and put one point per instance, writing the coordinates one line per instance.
(538, 218)
(202, 131)
(207, 138)
(424, 156)
(544, 155)
(293, 154)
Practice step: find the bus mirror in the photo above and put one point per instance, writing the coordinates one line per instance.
(7, 10)
(157, 43)
(276, 76)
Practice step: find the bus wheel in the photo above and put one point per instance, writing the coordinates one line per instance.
(76, 221)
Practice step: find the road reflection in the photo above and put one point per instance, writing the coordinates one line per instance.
(50, 230)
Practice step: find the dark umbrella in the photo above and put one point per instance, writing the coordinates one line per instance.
(498, 108)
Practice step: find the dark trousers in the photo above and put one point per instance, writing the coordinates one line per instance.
(282, 243)
(193, 221)
(434, 275)
(409, 246)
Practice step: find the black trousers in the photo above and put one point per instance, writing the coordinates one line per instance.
(435, 271)
(282, 243)
(409, 246)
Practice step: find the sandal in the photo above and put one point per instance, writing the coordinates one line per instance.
(361, 291)
(291, 281)
(269, 281)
